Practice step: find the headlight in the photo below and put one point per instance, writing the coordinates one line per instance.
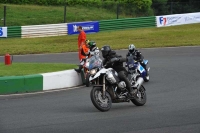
(93, 71)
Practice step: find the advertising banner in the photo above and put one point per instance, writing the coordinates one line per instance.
(88, 27)
(177, 19)
(3, 31)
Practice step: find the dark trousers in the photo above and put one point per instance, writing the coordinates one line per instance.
(123, 75)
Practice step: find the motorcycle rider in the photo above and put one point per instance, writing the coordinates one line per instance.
(94, 50)
(85, 53)
(137, 55)
(112, 60)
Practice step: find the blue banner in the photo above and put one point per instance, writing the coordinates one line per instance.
(88, 27)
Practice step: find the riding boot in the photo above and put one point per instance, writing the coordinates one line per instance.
(79, 69)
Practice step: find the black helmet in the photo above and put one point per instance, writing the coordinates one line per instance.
(105, 50)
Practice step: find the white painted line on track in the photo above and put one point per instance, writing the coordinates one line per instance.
(41, 92)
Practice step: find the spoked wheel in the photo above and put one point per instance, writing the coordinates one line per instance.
(98, 101)
(141, 97)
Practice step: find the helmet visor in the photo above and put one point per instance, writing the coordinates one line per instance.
(132, 50)
(104, 53)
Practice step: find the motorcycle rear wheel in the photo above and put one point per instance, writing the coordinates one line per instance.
(98, 101)
(141, 98)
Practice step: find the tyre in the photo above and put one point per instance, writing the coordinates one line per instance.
(98, 101)
(141, 97)
(87, 82)
(146, 79)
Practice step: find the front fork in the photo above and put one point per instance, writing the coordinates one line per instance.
(104, 87)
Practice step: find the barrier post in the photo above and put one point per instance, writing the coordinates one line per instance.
(65, 13)
(117, 10)
(4, 19)
(171, 7)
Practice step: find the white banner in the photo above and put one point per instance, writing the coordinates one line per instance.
(3, 31)
(177, 19)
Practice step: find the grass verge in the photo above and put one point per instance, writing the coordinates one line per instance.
(18, 69)
(21, 15)
(183, 35)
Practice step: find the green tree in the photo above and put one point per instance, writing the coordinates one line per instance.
(184, 6)
(160, 7)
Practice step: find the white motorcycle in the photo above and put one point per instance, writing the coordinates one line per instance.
(109, 89)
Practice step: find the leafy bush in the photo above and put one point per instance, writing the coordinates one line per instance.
(128, 7)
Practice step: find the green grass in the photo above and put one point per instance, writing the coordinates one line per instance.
(21, 15)
(18, 69)
(184, 35)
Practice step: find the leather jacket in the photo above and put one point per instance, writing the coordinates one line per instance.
(114, 61)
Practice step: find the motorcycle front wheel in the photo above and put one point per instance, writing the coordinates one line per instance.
(98, 101)
(141, 97)
(146, 79)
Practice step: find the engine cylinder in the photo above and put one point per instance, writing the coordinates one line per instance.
(122, 85)
(139, 82)
(112, 77)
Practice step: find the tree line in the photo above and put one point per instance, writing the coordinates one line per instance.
(128, 7)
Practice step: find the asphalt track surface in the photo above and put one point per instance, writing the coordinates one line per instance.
(173, 101)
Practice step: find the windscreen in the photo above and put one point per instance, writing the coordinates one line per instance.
(95, 62)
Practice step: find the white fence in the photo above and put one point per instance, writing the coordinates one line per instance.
(33, 31)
